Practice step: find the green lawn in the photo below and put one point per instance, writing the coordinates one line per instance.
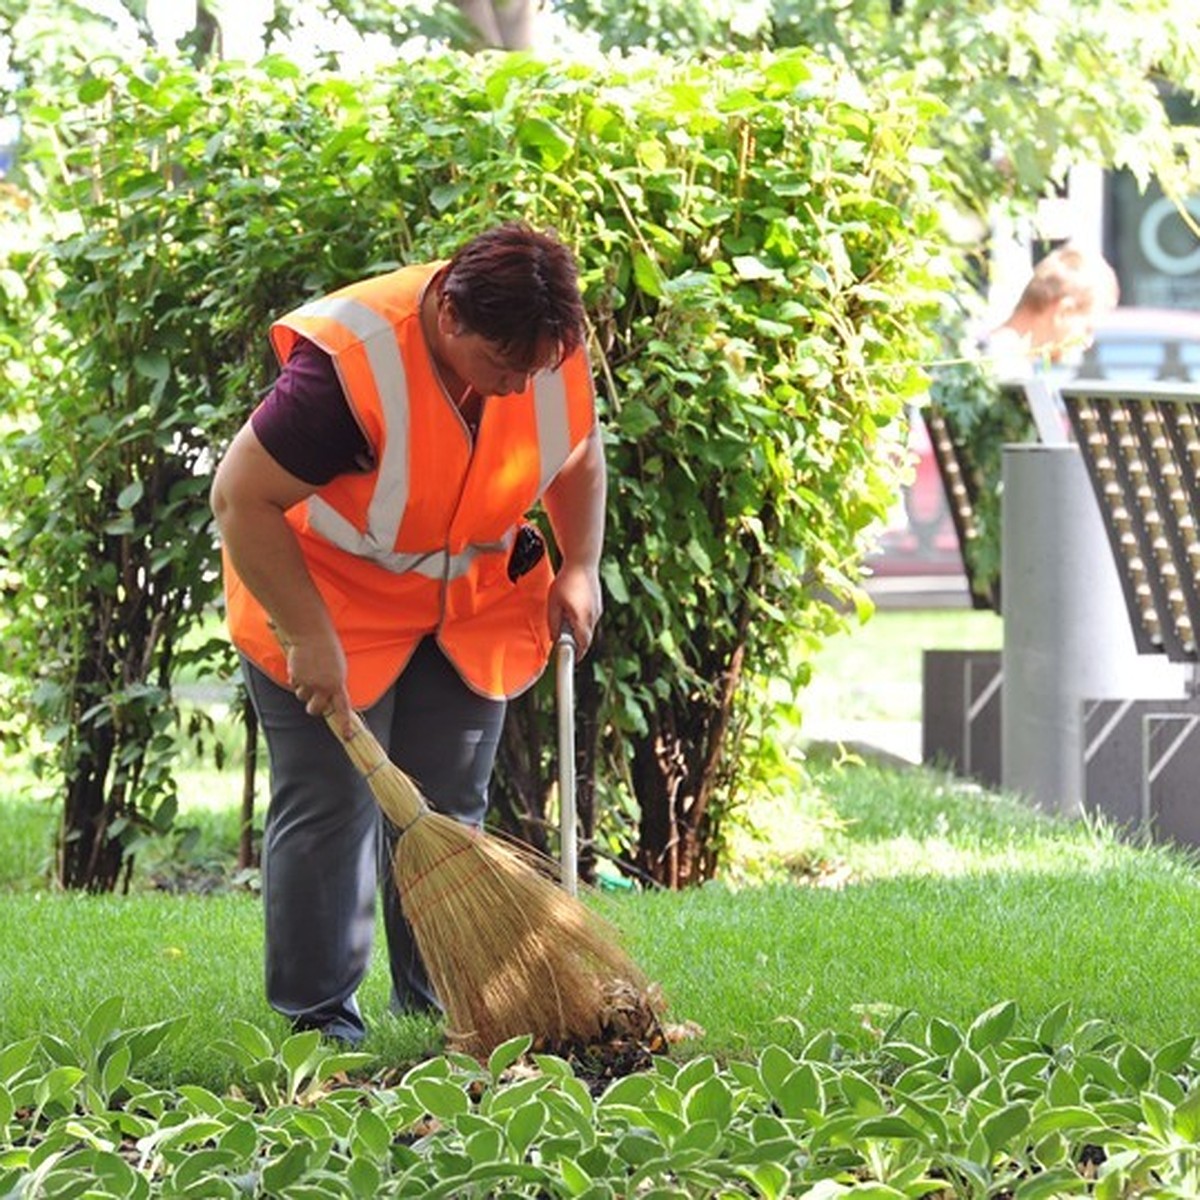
(873, 671)
(863, 888)
(883, 891)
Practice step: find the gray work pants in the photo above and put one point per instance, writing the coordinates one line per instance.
(326, 847)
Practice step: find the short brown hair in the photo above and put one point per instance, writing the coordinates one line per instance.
(1069, 271)
(517, 287)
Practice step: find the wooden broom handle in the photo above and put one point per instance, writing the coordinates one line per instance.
(363, 747)
(395, 792)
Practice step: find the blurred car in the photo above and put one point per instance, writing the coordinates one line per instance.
(1141, 344)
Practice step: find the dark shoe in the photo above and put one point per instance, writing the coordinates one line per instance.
(339, 1031)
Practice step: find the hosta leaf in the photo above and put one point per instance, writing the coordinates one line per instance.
(1173, 1055)
(702, 1136)
(992, 1026)
(1186, 1121)
(1062, 1120)
(709, 1101)
(1050, 1028)
(299, 1049)
(441, 1098)
(943, 1037)
(800, 1092)
(524, 1123)
(775, 1064)
(1061, 1181)
(364, 1178)
(506, 1054)
(574, 1177)
(862, 1095)
(370, 1136)
(967, 1069)
(251, 1039)
(102, 1022)
(770, 1179)
(1005, 1126)
(1063, 1088)
(285, 1170)
(115, 1071)
(1134, 1066)
(887, 1127)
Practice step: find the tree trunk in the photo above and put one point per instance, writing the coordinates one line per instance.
(501, 24)
(246, 856)
(676, 769)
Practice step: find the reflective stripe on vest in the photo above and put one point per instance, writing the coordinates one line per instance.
(390, 498)
(388, 503)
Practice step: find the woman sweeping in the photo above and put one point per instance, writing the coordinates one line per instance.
(372, 512)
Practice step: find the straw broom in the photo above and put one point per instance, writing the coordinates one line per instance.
(508, 952)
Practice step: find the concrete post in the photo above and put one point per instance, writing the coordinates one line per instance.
(1067, 634)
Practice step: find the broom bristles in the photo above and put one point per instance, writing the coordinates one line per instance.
(508, 952)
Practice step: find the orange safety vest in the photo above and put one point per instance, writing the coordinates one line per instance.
(420, 544)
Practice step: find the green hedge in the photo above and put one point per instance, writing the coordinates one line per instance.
(759, 257)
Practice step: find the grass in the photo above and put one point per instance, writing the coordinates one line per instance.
(873, 672)
(874, 891)
(947, 901)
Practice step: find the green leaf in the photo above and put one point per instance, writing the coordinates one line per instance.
(709, 1101)
(943, 1037)
(251, 1039)
(93, 89)
(647, 275)
(888, 1127)
(552, 142)
(1134, 1066)
(992, 1026)
(800, 1092)
(769, 1178)
(364, 1178)
(370, 1135)
(1171, 1057)
(1005, 1126)
(700, 557)
(967, 1069)
(116, 1070)
(703, 1136)
(104, 1019)
(1063, 1120)
(574, 1177)
(152, 365)
(506, 1054)
(298, 1049)
(1060, 1181)
(281, 1172)
(751, 268)
(441, 1098)
(614, 581)
(524, 1124)
(1158, 1116)
(1186, 1120)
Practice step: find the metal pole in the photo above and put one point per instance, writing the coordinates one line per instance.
(566, 761)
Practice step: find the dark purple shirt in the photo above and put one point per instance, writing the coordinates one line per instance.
(305, 422)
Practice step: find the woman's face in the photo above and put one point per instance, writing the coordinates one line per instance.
(484, 364)
(488, 369)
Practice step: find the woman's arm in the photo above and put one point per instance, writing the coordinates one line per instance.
(250, 494)
(575, 503)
